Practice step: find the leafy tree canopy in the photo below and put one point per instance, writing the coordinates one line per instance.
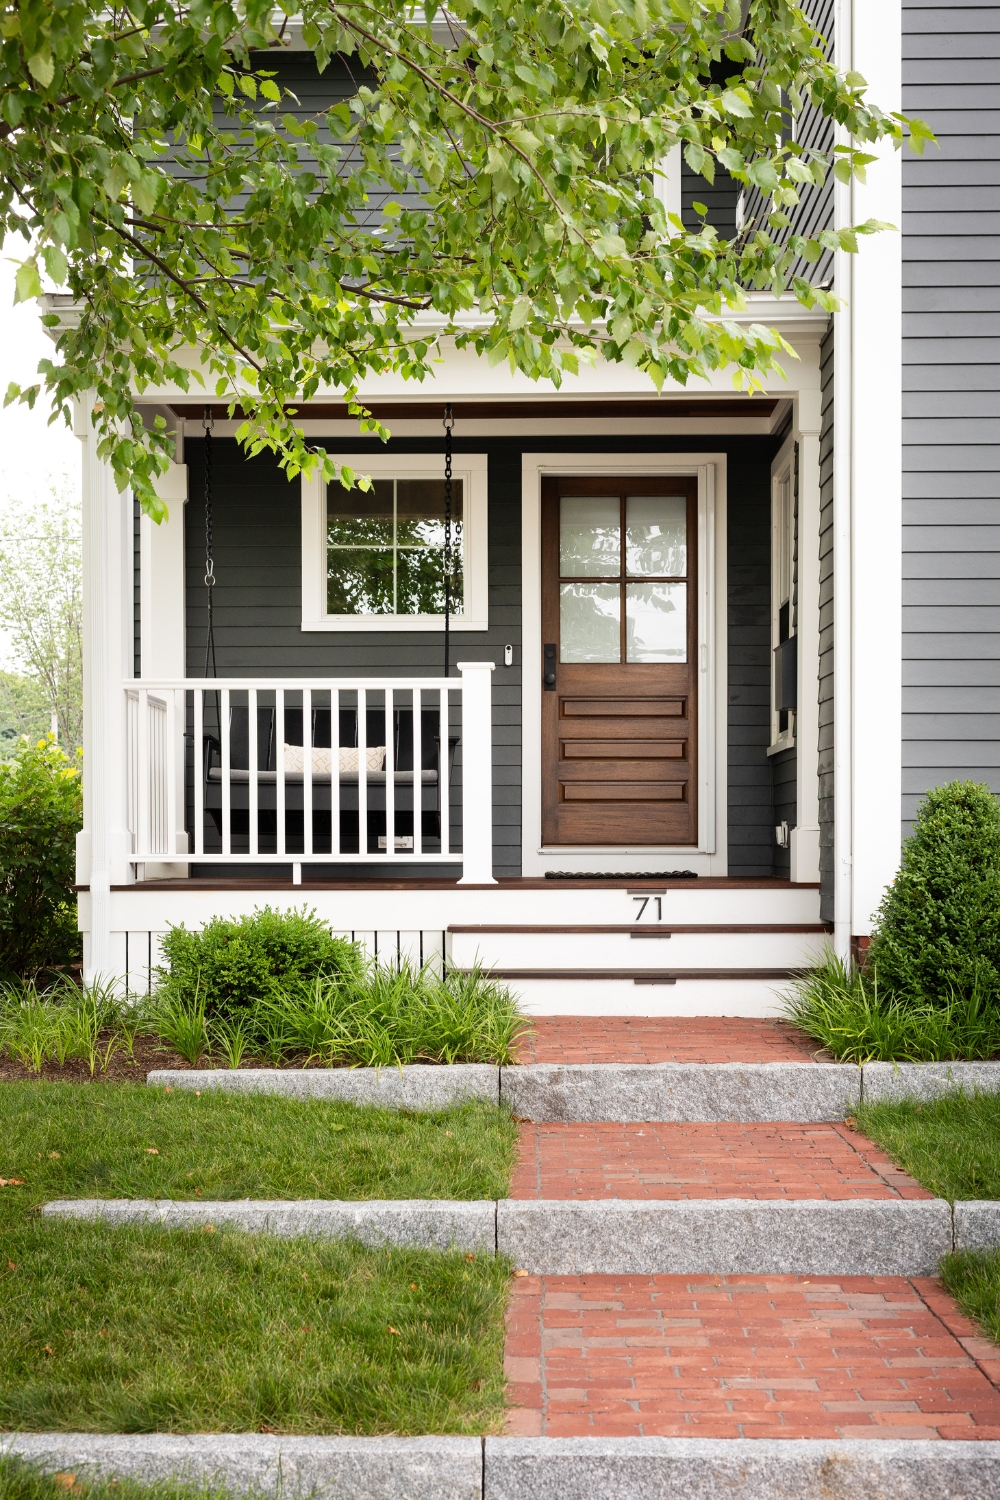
(162, 178)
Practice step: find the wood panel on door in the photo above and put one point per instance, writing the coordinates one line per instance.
(619, 673)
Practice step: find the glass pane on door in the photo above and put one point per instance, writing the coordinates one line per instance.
(656, 536)
(589, 622)
(589, 537)
(656, 622)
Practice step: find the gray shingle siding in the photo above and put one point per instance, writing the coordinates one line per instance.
(258, 609)
(825, 674)
(951, 400)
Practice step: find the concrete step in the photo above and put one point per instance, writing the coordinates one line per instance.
(648, 991)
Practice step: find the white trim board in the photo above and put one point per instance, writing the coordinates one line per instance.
(710, 856)
(471, 468)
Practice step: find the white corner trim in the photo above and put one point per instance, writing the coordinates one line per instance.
(710, 855)
(471, 468)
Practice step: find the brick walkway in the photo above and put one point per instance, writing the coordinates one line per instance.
(750, 1356)
(704, 1161)
(652, 1039)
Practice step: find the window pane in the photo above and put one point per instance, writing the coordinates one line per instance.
(359, 517)
(420, 513)
(656, 536)
(420, 581)
(359, 581)
(589, 615)
(656, 621)
(589, 537)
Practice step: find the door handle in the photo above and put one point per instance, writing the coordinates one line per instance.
(549, 668)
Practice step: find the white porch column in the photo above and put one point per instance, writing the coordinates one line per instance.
(104, 845)
(477, 772)
(162, 626)
(804, 839)
(868, 500)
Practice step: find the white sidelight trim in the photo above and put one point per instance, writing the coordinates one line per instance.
(477, 773)
(804, 841)
(868, 500)
(783, 576)
(709, 856)
(103, 847)
(471, 469)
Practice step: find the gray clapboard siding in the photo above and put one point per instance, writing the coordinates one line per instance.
(825, 674)
(258, 609)
(951, 399)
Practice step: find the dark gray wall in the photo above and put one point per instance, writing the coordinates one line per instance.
(951, 402)
(825, 676)
(258, 609)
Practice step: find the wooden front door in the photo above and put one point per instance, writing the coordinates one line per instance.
(619, 627)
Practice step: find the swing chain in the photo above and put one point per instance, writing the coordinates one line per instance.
(208, 423)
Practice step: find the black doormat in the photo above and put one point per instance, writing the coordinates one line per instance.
(621, 875)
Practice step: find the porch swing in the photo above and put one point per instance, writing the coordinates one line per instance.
(321, 739)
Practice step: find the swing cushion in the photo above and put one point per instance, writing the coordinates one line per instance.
(322, 759)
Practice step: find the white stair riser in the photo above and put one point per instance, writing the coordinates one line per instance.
(422, 909)
(621, 997)
(600, 950)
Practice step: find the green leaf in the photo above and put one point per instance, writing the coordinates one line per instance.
(55, 264)
(42, 68)
(737, 102)
(27, 282)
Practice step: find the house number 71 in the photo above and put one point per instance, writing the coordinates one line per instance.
(645, 902)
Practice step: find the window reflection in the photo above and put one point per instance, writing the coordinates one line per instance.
(589, 622)
(656, 622)
(589, 537)
(656, 536)
(385, 548)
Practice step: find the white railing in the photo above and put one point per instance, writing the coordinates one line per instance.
(319, 771)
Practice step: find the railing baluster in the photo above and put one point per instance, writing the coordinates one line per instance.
(171, 773)
(334, 770)
(252, 773)
(199, 768)
(444, 770)
(307, 772)
(362, 738)
(144, 772)
(418, 777)
(279, 762)
(224, 737)
(390, 778)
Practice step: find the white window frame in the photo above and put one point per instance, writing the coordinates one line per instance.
(783, 518)
(471, 469)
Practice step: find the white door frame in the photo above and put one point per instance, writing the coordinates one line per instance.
(710, 855)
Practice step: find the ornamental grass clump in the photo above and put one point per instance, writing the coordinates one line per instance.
(929, 989)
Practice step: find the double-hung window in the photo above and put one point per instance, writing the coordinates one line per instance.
(376, 559)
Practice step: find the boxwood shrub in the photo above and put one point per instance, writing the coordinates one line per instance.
(233, 963)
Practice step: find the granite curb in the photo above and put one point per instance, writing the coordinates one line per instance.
(607, 1236)
(625, 1092)
(893, 1081)
(855, 1237)
(420, 1223)
(498, 1468)
(299, 1468)
(408, 1087)
(655, 1468)
(977, 1225)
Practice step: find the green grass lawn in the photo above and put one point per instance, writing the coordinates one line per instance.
(21, 1481)
(130, 1141)
(139, 1329)
(950, 1145)
(973, 1279)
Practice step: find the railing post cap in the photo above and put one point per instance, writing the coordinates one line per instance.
(476, 666)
